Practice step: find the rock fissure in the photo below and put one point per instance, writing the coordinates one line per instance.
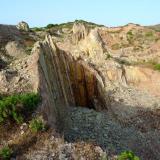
(77, 79)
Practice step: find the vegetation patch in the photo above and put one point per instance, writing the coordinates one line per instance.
(51, 25)
(150, 64)
(37, 124)
(130, 37)
(108, 56)
(5, 153)
(149, 34)
(122, 61)
(37, 29)
(128, 155)
(68, 25)
(157, 67)
(15, 107)
(155, 27)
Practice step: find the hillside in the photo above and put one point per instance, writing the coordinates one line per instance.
(79, 90)
(155, 27)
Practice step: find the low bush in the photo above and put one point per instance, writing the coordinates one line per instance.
(37, 124)
(122, 61)
(157, 67)
(51, 25)
(130, 36)
(88, 23)
(149, 34)
(5, 153)
(15, 106)
(29, 50)
(128, 155)
(36, 29)
(108, 56)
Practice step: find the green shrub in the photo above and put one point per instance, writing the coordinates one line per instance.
(13, 107)
(130, 33)
(5, 153)
(157, 67)
(130, 37)
(29, 50)
(37, 29)
(37, 124)
(51, 25)
(123, 61)
(149, 34)
(88, 23)
(29, 101)
(128, 155)
(108, 56)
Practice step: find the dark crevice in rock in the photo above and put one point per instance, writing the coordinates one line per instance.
(3, 64)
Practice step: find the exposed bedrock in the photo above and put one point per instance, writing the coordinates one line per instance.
(9, 33)
(79, 32)
(131, 119)
(94, 84)
(64, 81)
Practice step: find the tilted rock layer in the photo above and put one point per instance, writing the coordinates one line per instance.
(64, 81)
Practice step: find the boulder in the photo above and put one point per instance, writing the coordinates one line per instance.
(15, 49)
(23, 26)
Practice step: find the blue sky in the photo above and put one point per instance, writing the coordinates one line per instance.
(107, 12)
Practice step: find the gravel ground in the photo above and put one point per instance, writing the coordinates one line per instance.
(89, 125)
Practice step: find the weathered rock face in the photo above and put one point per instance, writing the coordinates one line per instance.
(9, 33)
(15, 49)
(23, 26)
(87, 85)
(65, 82)
(79, 32)
(62, 80)
(2, 64)
(92, 45)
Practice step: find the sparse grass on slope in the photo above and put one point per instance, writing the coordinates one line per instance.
(5, 153)
(68, 25)
(155, 27)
